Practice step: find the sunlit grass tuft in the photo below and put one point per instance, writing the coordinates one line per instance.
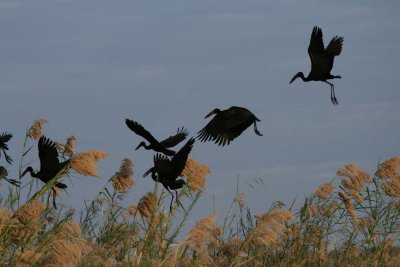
(352, 219)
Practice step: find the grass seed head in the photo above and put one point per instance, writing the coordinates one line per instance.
(389, 168)
(85, 163)
(35, 132)
(196, 174)
(147, 205)
(356, 178)
(349, 207)
(123, 179)
(324, 191)
(203, 231)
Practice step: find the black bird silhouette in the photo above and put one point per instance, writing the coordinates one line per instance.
(4, 138)
(162, 146)
(227, 125)
(166, 171)
(322, 60)
(50, 166)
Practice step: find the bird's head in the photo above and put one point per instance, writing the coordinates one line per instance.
(30, 170)
(299, 74)
(214, 111)
(142, 144)
(151, 170)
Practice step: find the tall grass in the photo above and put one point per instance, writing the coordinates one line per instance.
(352, 220)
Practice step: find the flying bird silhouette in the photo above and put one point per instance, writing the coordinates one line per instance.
(322, 60)
(4, 138)
(50, 166)
(155, 145)
(227, 125)
(166, 171)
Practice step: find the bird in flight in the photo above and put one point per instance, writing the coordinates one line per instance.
(50, 166)
(227, 125)
(166, 171)
(155, 145)
(322, 60)
(4, 138)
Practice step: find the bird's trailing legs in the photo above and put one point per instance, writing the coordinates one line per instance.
(333, 97)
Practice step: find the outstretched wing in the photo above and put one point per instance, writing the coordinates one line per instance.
(4, 138)
(140, 130)
(178, 162)
(334, 49)
(48, 155)
(173, 140)
(226, 126)
(316, 48)
(216, 128)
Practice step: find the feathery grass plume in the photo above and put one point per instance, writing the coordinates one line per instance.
(269, 227)
(232, 246)
(29, 212)
(69, 146)
(71, 231)
(27, 222)
(85, 162)
(325, 190)
(35, 132)
(202, 232)
(348, 205)
(123, 179)
(132, 209)
(392, 187)
(62, 253)
(356, 178)
(196, 174)
(28, 258)
(389, 168)
(5, 218)
(147, 205)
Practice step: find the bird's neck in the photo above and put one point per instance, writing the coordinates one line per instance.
(33, 173)
(305, 79)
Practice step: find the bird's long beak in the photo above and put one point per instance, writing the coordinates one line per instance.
(148, 172)
(23, 174)
(292, 80)
(138, 146)
(209, 114)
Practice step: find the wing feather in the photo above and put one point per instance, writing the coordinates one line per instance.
(173, 140)
(178, 162)
(138, 129)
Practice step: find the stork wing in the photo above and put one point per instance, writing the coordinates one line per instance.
(226, 126)
(173, 140)
(316, 47)
(140, 130)
(48, 156)
(214, 129)
(178, 162)
(334, 49)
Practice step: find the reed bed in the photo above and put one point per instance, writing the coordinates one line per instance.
(353, 219)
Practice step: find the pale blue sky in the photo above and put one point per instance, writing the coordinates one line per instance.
(85, 66)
